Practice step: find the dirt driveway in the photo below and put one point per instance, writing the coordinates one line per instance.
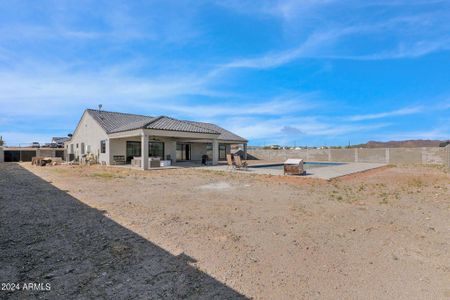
(118, 233)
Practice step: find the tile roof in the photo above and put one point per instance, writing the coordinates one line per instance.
(166, 123)
(113, 122)
(224, 134)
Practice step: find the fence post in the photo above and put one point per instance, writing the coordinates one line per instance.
(448, 156)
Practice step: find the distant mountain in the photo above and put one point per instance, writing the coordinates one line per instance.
(404, 144)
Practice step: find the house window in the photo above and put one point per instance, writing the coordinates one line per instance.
(103, 146)
(82, 148)
(156, 149)
(222, 152)
(209, 151)
(71, 149)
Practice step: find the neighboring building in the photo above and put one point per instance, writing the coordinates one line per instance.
(59, 141)
(2, 158)
(118, 137)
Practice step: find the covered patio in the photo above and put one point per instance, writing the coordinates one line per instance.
(171, 148)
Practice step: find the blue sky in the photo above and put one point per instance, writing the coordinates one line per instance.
(302, 72)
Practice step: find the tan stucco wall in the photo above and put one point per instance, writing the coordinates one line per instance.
(405, 155)
(434, 155)
(317, 155)
(425, 155)
(372, 155)
(448, 156)
(170, 148)
(343, 155)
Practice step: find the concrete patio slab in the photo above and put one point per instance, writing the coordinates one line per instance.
(326, 172)
(341, 170)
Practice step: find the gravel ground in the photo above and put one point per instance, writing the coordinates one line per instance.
(98, 232)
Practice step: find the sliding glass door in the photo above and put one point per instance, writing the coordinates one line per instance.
(183, 151)
(156, 149)
(133, 149)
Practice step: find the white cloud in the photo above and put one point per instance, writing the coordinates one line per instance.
(283, 9)
(402, 35)
(276, 59)
(274, 129)
(393, 113)
(26, 93)
(117, 22)
(246, 106)
(318, 31)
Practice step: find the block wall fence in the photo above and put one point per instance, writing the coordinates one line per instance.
(423, 155)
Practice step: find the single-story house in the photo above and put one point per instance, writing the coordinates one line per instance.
(114, 137)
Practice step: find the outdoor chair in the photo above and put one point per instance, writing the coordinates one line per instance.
(239, 164)
(230, 162)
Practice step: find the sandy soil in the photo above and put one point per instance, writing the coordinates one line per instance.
(119, 233)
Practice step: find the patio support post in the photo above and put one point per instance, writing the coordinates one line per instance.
(245, 151)
(108, 151)
(144, 151)
(215, 152)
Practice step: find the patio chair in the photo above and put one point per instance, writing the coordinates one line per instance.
(239, 164)
(230, 162)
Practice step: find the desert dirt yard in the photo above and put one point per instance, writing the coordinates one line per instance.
(102, 232)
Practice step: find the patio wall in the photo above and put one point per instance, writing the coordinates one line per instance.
(423, 155)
